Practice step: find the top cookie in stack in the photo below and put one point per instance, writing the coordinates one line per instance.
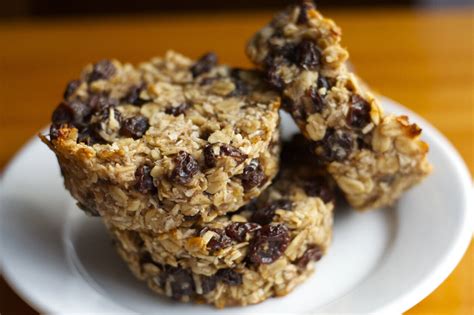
(167, 142)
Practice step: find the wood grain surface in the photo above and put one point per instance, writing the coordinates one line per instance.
(423, 59)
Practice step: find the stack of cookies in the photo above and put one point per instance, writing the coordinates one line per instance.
(183, 161)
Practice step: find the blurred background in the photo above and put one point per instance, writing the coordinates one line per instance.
(51, 8)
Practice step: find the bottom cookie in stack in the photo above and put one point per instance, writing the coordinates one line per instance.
(265, 249)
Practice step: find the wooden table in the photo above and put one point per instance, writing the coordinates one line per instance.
(423, 59)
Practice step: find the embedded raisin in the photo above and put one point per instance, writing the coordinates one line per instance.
(269, 243)
(208, 284)
(181, 281)
(296, 110)
(319, 187)
(313, 253)
(204, 64)
(90, 135)
(211, 156)
(218, 241)
(229, 276)
(323, 82)
(233, 152)
(177, 110)
(101, 101)
(264, 215)
(359, 112)
(103, 69)
(317, 101)
(238, 230)
(274, 79)
(144, 180)
(308, 55)
(71, 87)
(74, 112)
(288, 52)
(253, 175)
(134, 127)
(54, 130)
(186, 167)
(133, 96)
(336, 145)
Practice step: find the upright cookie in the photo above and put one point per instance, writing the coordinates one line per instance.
(373, 157)
(169, 141)
(263, 250)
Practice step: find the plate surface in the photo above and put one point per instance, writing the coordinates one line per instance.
(61, 261)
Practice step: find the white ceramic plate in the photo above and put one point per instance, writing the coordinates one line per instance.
(61, 261)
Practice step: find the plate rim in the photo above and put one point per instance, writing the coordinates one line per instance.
(410, 298)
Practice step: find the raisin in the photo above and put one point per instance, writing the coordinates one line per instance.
(296, 110)
(264, 215)
(54, 130)
(211, 156)
(90, 135)
(177, 110)
(71, 87)
(336, 145)
(181, 281)
(323, 82)
(317, 101)
(361, 144)
(308, 55)
(133, 96)
(304, 6)
(144, 180)
(319, 187)
(238, 230)
(287, 52)
(359, 112)
(274, 79)
(100, 102)
(229, 276)
(186, 167)
(103, 69)
(233, 152)
(253, 175)
(208, 284)
(134, 127)
(204, 64)
(219, 241)
(269, 243)
(74, 112)
(313, 253)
